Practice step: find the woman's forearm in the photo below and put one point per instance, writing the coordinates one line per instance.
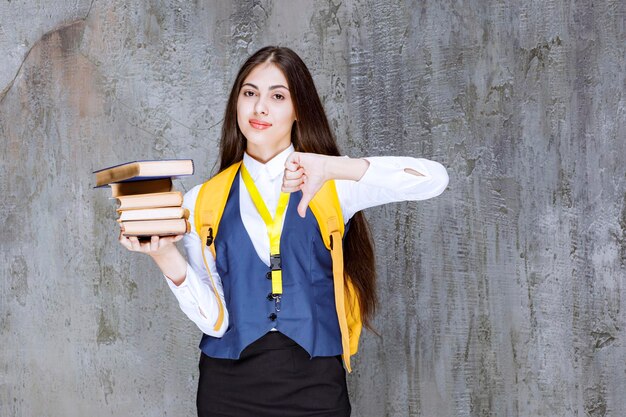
(340, 168)
(172, 264)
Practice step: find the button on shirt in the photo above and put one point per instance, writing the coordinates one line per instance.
(384, 181)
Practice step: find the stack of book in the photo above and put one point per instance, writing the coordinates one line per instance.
(148, 206)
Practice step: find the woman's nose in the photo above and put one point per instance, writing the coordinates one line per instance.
(260, 106)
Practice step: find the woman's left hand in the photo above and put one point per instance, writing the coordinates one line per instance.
(305, 172)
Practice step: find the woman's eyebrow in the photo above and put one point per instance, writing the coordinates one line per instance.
(272, 87)
(251, 85)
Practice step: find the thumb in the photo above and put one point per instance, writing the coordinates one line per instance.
(304, 203)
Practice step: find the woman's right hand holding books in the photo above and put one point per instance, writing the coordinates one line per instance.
(155, 246)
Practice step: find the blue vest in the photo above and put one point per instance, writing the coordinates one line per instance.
(307, 313)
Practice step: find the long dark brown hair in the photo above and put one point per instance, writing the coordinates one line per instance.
(310, 133)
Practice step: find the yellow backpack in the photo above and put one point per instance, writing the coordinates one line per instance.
(325, 207)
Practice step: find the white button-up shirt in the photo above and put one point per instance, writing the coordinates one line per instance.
(385, 181)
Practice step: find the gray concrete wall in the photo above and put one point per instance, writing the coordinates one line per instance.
(502, 297)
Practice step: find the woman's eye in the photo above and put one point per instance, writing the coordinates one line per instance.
(278, 96)
(248, 93)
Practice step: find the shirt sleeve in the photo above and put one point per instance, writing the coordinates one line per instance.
(195, 294)
(386, 181)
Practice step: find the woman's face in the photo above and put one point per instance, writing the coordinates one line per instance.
(265, 112)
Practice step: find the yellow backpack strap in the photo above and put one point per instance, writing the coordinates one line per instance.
(325, 206)
(207, 215)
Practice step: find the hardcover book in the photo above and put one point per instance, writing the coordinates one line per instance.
(162, 185)
(145, 228)
(144, 170)
(153, 200)
(154, 214)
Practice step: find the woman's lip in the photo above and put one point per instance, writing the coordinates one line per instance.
(257, 124)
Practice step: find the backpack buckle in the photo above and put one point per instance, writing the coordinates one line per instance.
(209, 238)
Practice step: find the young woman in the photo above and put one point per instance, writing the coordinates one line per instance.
(288, 362)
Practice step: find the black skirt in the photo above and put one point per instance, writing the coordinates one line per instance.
(274, 377)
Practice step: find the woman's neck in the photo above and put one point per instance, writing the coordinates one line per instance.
(264, 154)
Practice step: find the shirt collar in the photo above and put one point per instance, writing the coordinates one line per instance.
(273, 168)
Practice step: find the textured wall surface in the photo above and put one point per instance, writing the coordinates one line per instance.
(501, 297)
